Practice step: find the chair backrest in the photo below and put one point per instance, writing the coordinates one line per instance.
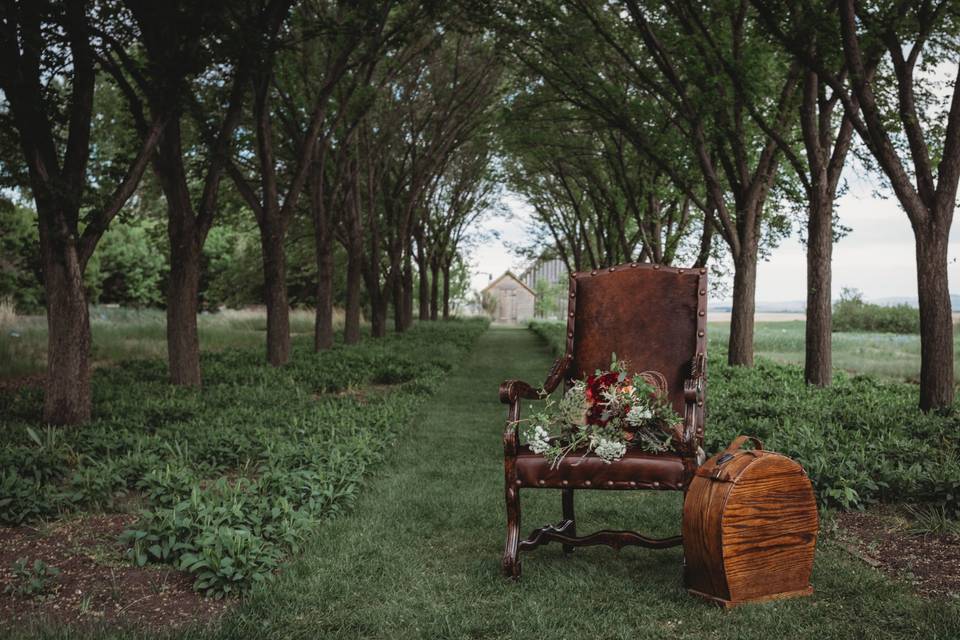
(652, 316)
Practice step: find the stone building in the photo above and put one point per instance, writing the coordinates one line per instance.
(511, 301)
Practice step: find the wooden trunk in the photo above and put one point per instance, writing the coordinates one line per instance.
(749, 528)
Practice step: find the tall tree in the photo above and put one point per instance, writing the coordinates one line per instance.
(466, 190)
(602, 202)
(913, 135)
(735, 158)
(824, 135)
(196, 60)
(48, 75)
(618, 60)
(273, 206)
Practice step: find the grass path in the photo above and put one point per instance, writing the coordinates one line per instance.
(418, 557)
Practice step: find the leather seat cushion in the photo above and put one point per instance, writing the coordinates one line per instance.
(636, 470)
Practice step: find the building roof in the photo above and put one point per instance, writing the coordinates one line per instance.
(542, 259)
(515, 279)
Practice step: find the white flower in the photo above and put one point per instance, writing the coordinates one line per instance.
(539, 440)
(638, 414)
(609, 450)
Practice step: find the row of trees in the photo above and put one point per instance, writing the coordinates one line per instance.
(684, 130)
(367, 122)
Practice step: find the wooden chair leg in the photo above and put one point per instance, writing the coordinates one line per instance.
(568, 514)
(511, 564)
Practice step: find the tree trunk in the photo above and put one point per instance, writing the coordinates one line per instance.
(407, 292)
(378, 313)
(67, 398)
(818, 365)
(446, 291)
(323, 328)
(424, 284)
(275, 291)
(936, 319)
(434, 289)
(183, 340)
(323, 246)
(396, 291)
(740, 349)
(351, 321)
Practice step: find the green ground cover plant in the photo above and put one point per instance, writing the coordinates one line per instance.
(862, 440)
(31, 579)
(228, 479)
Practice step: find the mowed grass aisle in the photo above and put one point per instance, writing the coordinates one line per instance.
(419, 554)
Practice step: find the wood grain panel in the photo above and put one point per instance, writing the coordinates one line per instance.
(750, 529)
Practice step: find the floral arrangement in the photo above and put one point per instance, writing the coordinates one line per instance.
(606, 413)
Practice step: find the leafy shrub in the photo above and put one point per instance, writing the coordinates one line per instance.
(24, 499)
(31, 579)
(851, 313)
(234, 475)
(861, 440)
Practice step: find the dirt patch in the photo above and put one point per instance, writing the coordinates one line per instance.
(363, 395)
(96, 584)
(931, 562)
(22, 382)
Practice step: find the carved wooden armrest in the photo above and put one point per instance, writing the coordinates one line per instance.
(693, 394)
(513, 391)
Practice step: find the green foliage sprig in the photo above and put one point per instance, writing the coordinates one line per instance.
(604, 415)
(30, 580)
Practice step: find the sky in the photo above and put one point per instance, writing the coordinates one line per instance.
(877, 256)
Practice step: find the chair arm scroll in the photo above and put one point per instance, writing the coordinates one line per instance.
(693, 396)
(514, 390)
(693, 390)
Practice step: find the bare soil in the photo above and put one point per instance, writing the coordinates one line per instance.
(96, 584)
(930, 562)
(22, 382)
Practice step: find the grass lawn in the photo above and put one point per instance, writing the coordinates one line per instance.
(419, 555)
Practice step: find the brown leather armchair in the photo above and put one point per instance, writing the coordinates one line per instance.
(653, 317)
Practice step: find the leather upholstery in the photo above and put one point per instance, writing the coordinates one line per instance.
(636, 470)
(647, 316)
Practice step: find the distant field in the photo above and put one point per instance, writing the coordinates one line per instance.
(724, 316)
(123, 334)
(883, 354)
